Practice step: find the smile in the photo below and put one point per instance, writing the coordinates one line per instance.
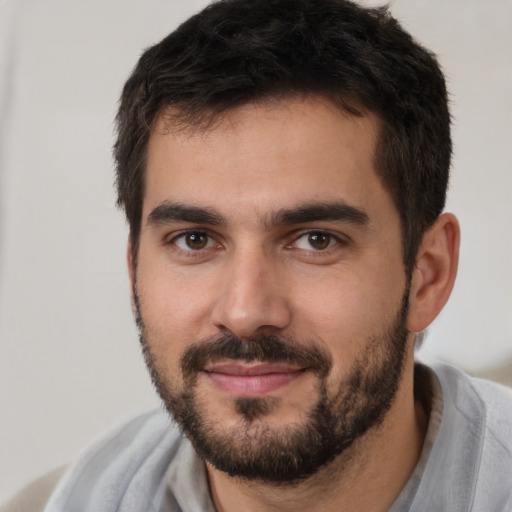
(245, 381)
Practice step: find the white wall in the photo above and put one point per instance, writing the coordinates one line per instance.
(70, 364)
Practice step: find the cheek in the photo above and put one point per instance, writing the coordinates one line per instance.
(171, 310)
(343, 313)
(336, 317)
(174, 309)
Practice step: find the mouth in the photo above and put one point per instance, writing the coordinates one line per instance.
(246, 380)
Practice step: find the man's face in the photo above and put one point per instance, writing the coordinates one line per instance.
(270, 287)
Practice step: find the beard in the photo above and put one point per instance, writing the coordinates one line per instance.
(257, 449)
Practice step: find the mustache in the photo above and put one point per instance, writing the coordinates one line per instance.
(264, 348)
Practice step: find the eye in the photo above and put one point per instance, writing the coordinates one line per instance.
(194, 241)
(316, 240)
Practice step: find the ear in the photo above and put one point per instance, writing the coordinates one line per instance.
(434, 274)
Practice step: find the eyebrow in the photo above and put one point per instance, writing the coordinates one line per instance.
(168, 212)
(314, 212)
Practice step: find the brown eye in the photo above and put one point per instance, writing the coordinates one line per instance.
(193, 241)
(196, 240)
(319, 241)
(316, 241)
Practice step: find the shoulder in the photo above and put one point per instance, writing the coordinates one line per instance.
(475, 438)
(470, 396)
(143, 445)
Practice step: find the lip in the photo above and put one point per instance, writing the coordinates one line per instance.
(246, 380)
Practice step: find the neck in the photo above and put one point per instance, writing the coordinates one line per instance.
(369, 476)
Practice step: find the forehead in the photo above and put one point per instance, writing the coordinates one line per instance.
(266, 156)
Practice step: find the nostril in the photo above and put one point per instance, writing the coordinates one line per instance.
(244, 319)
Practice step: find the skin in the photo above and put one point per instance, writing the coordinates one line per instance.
(254, 276)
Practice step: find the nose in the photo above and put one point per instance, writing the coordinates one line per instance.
(252, 296)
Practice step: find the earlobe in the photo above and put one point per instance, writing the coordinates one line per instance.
(434, 274)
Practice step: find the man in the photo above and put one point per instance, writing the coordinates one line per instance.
(283, 167)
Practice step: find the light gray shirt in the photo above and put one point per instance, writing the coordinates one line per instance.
(465, 465)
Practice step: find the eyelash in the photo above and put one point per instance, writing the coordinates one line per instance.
(190, 252)
(334, 241)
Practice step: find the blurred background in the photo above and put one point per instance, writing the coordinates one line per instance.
(70, 365)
